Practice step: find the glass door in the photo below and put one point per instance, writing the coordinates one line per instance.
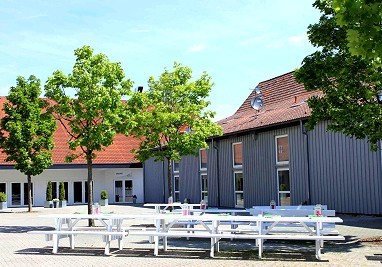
(19, 194)
(123, 191)
(284, 187)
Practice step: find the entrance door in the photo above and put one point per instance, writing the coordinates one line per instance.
(19, 194)
(123, 191)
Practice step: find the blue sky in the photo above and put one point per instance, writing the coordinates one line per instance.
(238, 43)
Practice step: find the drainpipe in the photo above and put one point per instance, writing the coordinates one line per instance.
(218, 170)
(305, 132)
(164, 182)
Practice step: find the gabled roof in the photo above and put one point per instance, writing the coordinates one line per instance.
(116, 153)
(284, 101)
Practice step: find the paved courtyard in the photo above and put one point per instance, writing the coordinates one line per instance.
(17, 248)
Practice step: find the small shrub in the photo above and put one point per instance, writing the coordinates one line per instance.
(104, 194)
(49, 191)
(62, 191)
(3, 197)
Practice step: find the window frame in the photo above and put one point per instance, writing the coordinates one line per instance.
(278, 185)
(176, 192)
(200, 159)
(233, 155)
(203, 193)
(238, 191)
(276, 150)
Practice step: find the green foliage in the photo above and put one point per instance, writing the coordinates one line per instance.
(104, 194)
(163, 112)
(61, 189)
(49, 191)
(27, 129)
(3, 197)
(349, 83)
(363, 21)
(96, 113)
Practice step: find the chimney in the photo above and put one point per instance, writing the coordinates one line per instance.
(295, 99)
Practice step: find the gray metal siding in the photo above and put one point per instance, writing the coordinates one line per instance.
(345, 174)
(189, 179)
(154, 183)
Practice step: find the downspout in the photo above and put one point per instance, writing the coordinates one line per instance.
(217, 170)
(305, 132)
(164, 182)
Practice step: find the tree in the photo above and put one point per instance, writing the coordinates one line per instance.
(26, 134)
(171, 120)
(61, 191)
(96, 113)
(363, 19)
(350, 84)
(49, 191)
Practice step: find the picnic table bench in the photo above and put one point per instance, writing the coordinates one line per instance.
(210, 227)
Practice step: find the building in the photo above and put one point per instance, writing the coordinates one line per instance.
(114, 170)
(268, 154)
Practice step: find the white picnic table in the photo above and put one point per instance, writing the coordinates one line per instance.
(161, 207)
(165, 226)
(66, 225)
(164, 223)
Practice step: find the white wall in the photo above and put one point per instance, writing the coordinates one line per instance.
(103, 180)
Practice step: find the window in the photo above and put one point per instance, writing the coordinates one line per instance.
(237, 151)
(19, 194)
(176, 189)
(123, 191)
(204, 189)
(239, 189)
(283, 186)
(282, 149)
(175, 165)
(3, 187)
(203, 159)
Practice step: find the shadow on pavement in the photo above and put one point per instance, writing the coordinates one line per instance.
(22, 229)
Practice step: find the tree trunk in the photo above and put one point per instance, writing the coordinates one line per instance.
(29, 178)
(89, 162)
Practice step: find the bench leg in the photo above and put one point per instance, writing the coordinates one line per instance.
(212, 250)
(120, 243)
(165, 243)
(318, 249)
(71, 241)
(55, 243)
(156, 244)
(260, 244)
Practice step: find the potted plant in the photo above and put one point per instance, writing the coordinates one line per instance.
(104, 198)
(49, 196)
(56, 202)
(3, 201)
(62, 195)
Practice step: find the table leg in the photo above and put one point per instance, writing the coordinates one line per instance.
(55, 243)
(318, 242)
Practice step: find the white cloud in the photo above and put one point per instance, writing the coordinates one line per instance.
(196, 48)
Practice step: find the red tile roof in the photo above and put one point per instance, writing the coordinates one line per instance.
(284, 101)
(118, 152)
